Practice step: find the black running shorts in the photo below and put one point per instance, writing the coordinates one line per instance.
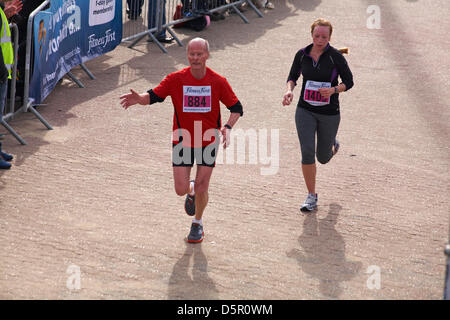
(185, 156)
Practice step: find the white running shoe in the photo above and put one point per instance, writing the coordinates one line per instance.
(310, 203)
(269, 5)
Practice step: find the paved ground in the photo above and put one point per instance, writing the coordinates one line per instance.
(97, 191)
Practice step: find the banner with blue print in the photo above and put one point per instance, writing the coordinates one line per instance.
(69, 33)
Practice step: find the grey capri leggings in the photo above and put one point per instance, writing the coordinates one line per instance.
(326, 126)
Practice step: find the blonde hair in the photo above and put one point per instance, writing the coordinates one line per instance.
(325, 23)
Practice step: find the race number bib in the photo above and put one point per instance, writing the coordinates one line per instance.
(312, 95)
(196, 98)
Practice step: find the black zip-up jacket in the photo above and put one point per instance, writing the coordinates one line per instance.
(331, 64)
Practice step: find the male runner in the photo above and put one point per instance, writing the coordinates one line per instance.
(196, 93)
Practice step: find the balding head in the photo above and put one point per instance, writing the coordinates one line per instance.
(197, 54)
(197, 43)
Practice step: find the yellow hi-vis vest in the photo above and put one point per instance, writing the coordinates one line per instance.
(5, 43)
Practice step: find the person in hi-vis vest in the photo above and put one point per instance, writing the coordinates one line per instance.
(7, 53)
(6, 62)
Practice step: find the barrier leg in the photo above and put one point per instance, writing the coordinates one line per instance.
(14, 133)
(150, 34)
(240, 14)
(175, 37)
(250, 3)
(38, 115)
(74, 79)
(137, 40)
(157, 43)
(88, 72)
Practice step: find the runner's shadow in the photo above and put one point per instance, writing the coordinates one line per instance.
(195, 286)
(322, 253)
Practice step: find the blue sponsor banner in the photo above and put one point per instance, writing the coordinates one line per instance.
(71, 32)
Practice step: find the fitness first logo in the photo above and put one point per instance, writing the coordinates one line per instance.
(102, 41)
(205, 90)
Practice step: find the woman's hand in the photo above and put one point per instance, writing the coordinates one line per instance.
(287, 98)
(326, 92)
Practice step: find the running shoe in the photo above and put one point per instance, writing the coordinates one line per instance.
(162, 39)
(196, 235)
(336, 146)
(189, 203)
(269, 5)
(4, 164)
(310, 203)
(5, 156)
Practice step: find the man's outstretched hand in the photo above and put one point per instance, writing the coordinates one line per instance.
(129, 99)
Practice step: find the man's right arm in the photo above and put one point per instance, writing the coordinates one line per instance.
(149, 97)
(132, 98)
(153, 97)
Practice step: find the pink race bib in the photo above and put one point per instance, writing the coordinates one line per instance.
(312, 94)
(196, 98)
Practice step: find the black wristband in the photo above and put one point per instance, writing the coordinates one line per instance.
(227, 126)
(153, 97)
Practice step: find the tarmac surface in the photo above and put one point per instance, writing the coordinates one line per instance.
(88, 210)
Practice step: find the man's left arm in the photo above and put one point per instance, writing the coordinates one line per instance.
(235, 113)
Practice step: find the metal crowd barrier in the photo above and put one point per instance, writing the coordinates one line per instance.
(149, 18)
(9, 111)
(27, 103)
